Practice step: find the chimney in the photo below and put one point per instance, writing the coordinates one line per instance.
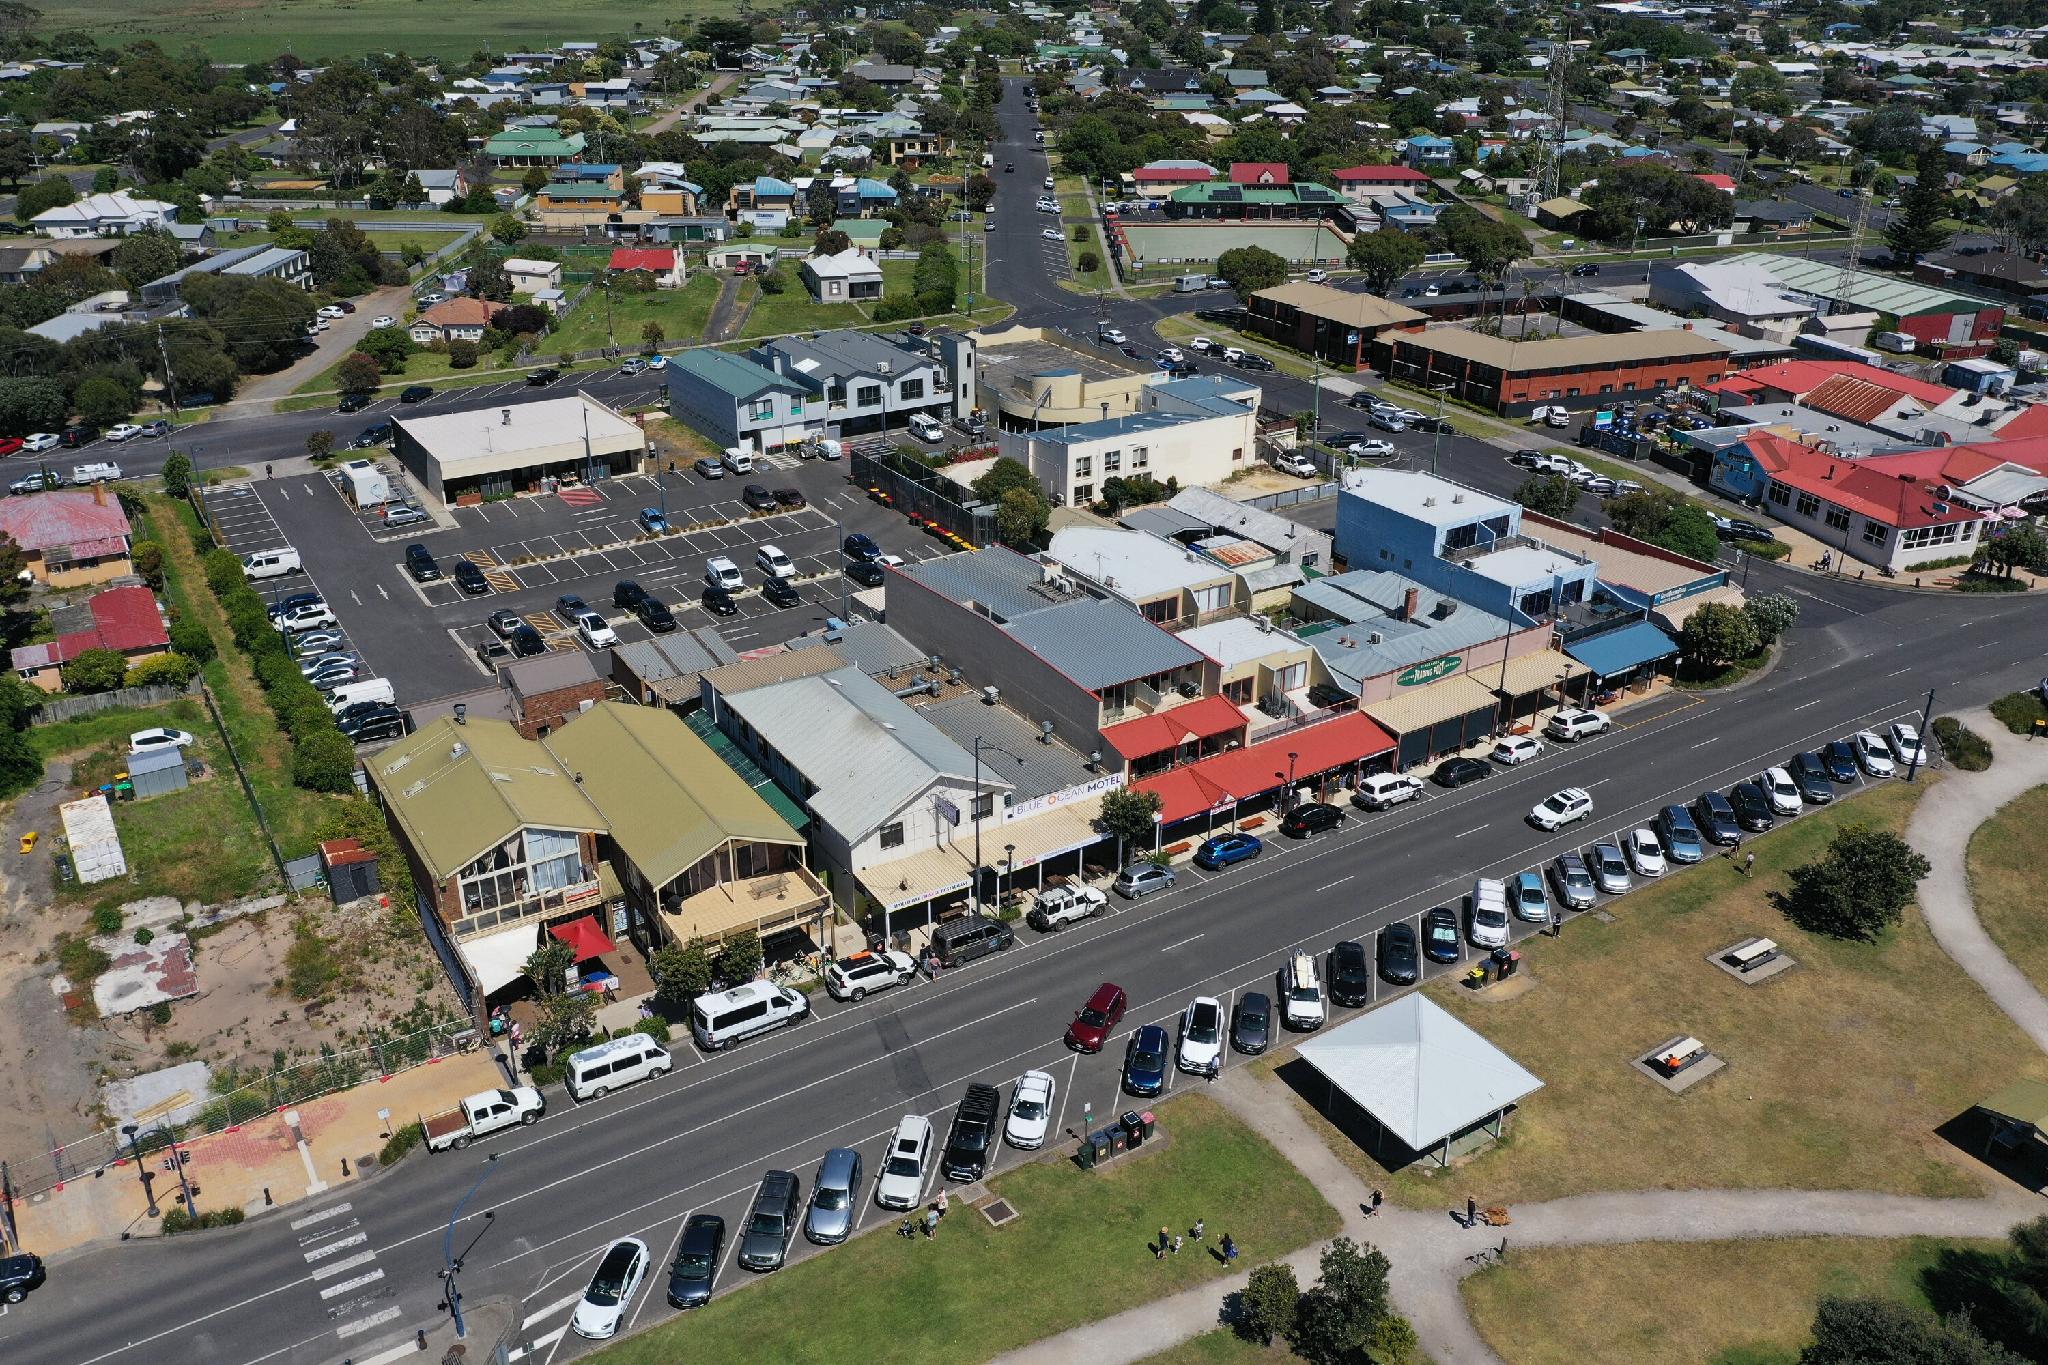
(99, 492)
(1410, 604)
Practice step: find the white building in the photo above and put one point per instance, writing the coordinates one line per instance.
(530, 277)
(842, 277)
(1199, 431)
(104, 215)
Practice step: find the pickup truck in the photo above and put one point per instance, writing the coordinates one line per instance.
(1062, 905)
(481, 1114)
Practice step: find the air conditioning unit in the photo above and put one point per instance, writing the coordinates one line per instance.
(991, 694)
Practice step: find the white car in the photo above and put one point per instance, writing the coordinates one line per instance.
(312, 616)
(333, 313)
(1201, 1037)
(1172, 354)
(384, 320)
(1202, 344)
(1433, 291)
(594, 631)
(1645, 854)
(1030, 1111)
(1114, 336)
(158, 737)
(1051, 234)
(1576, 723)
(123, 431)
(1782, 791)
(1487, 924)
(618, 1278)
(1872, 754)
(1561, 808)
(1516, 749)
(1299, 465)
(721, 572)
(1375, 446)
(1906, 744)
(903, 1170)
(40, 442)
(1232, 354)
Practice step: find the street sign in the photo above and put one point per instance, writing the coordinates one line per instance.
(949, 812)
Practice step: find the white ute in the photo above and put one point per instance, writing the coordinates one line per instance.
(480, 1115)
(1062, 905)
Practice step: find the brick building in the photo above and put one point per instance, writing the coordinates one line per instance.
(1513, 377)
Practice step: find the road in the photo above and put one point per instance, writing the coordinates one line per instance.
(350, 1274)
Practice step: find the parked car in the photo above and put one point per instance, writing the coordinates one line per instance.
(1561, 808)
(719, 602)
(903, 1170)
(1516, 749)
(1201, 1037)
(758, 497)
(835, 1189)
(1145, 1061)
(611, 1289)
(654, 614)
(1068, 903)
(1680, 836)
(699, 1252)
(1752, 807)
(771, 1222)
(1142, 879)
(708, 468)
(1780, 790)
(405, 514)
(1645, 853)
(503, 623)
(1610, 869)
(416, 393)
(1440, 935)
(1383, 790)
(1717, 819)
(159, 737)
(1456, 772)
(654, 521)
(1873, 754)
(1030, 1111)
(790, 499)
(1225, 849)
(1399, 954)
(526, 642)
(1840, 757)
(1311, 817)
(1096, 1020)
(20, 1276)
(1810, 773)
(1906, 747)
(866, 572)
(470, 578)
(1527, 898)
(1576, 723)
(853, 978)
(1301, 994)
(779, 592)
(1251, 1023)
(1572, 882)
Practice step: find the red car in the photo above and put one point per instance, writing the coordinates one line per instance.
(1095, 1021)
(9, 445)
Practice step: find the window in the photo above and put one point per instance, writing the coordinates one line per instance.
(1607, 388)
(1807, 505)
(910, 388)
(1239, 692)
(1572, 392)
(1140, 457)
(1237, 454)
(1084, 465)
(1628, 386)
(1837, 517)
(1922, 536)
(1215, 597)
(1112, 461)
(837, 393)
(1660, 383)
(761, 409)
(1780, 495)
(1084, 492)
(1873, 532)
(868, 396)
(1160, 611)
(892, 835)
(984, 807)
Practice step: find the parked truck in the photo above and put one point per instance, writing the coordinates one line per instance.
(480, 1115)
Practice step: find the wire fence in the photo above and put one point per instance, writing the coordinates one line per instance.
(228, 1109)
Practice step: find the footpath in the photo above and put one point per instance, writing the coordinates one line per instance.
(262, 1164)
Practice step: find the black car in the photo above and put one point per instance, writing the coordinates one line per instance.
(1350, 974)
(771, 1222)
(719, 602)
(1738, 531)
(1433, 424)
(866, 572)
(416, 393)
(695, 1268)
(1840, 756)
(526, 641)
(1440, 935)
(860, 546)
(758, 497)
(80, 434)
(1752, 807)
(1145, 1062)
(357, 710)
(779, 591)
(19, 1275)
(547, 374)
(370, 436)
(709, 469)
(1717, 820)
(353, 402)
(791, 498)
(973, 1133)
(1581, 271)
(470, 578)
(1311, 817)
(1810, 774)
(1251, 1023)
(1456, 772)
(387, 723)
(654, 614)
(626, 593)
(1248, 361)
(292, 602)
(420, 564)
(1400, 955)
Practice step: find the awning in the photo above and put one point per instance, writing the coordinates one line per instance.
(497, 960)
(1259, 768)
(1534, 672)
(586, 936)
(1618, 651)
(1417, 708)
(1209, 718)
(948, 868)
(1671, 615)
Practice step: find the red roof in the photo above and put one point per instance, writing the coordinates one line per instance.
(1177, 175)
(1897, 490)
(1259, 768)
(1719, 182)
(1799, 377)
(661, 260)
(2033, 422)
(124, 619)
(1378, 175)
(1258, 172)
(62, 518)
(462, 312)
(1209, 718)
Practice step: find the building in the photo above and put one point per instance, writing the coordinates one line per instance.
(458, 319)
(1252, 202)
(1308, 762)
(568, 203)
(663, 670)
(1604, 312)
(1340, 325)
(70, 537)
(125, 620)
(737, 402)
(1031, 377)
(1744, 297)
(1353, 182)
(665, 264)
(1211, 524)
(1514, 377)
(1199, 430)
(843, 277)
(533, 147)
(873, 382)
(467, 456)
(1163, 582)
(1943, 322)
(1156, 178)
(104, 215)
(1426, 153)
(530, 277)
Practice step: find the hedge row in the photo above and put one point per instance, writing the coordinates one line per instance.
(323, 760)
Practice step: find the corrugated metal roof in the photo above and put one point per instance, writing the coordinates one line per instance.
(1559, 353)
(768, 669)
(750, 772)
(1004, 583)
(1883, 293)
(1351, 308)
(870, 646)
(1046, 766)
(729, 374)
(1099, 644)
(1418, 708)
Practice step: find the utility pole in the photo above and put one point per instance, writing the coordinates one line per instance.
(1913, 766)
(611, 342)
(163, 351)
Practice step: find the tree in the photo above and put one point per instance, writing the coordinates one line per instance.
(681, 972)
(103, 401)
(20, 766)
(1551, 494)
(1717, 635)
(1340, 1313)
(1860, 887)
(821, 201)
(462, 354)
(1916, 227)
(1271, 1297)
(51, 192)
(319, 444)
(1872, 1331)
(14, 575)
(1689, 531)
(359, 373)
(507, 229)
(488, 279)
(2020, 219)
(177, 474)
(565, 1015)
(94, 670)
(534, 181)
(1127, 813)
(389, 347)
(144, 256)
(1772, 614)
(1087, 262)
(148, 558)
(739, 957)
(2018, 546)
(31, 404)
(1002, 476)
(192, 640)
(1021, 516)
(652, 334)
(1640, 514)
(1249, 269)
(1384, 256)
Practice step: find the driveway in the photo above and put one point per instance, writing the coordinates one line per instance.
(338, 340)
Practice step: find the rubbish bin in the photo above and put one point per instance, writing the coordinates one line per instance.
(1134, 1128)
(1150, 1123)
(1085, 1156)
(1100, 1142)
(1117, 1141)
(1510, 961)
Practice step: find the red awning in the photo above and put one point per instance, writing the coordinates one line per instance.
(1209, 718)
(1260, 768)
(586, 937)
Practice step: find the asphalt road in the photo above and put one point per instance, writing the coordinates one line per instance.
(350, 1274)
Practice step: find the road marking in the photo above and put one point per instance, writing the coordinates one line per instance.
(1339, 882)
(1815, 702)
(321, 1217)
(397, 1352)
(1705, 742)
(346, 1286)
(319, 1253)
(362, 1325)
(1474, 830)
(1182, 944)
(348, 1263)
(1895, 672)
(542, 1314)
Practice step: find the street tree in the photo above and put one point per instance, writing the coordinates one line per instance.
(739, 957)
(1860, 887)
(359, 373)
(1772, 614)
(1021, 515)
(177, 474)
(1248, 269)
(1342, 1312)
(1717, 635)
(2020, 546)
(1384, 256)
(103, 401)
(1128, 814)
(1918, 226)
(1271, 1297)
(681, 972)
(319, 443)
(1553, 495)
(1689, 531)
(565, 1015)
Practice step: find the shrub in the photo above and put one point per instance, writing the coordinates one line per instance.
(547, 1073)
(1087, 263)
(106, 920)
(192, 640)
(462, 355)
(309, 965)
(94, 670)
(177, 1220)
(324, 761)
(2018, 711)
(400, 1142)
(657, 1029)
(223, 573)
(1965, 748)
(165, 670)
(145, 936)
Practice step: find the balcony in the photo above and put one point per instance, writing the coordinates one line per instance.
(772, 901)
(579, 895)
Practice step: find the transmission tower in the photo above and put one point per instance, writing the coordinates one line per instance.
(1555, 105)
(1855, 254)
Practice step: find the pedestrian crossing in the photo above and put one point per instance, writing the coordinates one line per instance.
(344, 1271)
(579, 496)
(539, 1317)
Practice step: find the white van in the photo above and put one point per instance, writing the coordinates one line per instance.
(597, 1071)
(720, 1020)
(369, 689)
(925, 427)
(738, 459)
(770, 560)
(272, 563)
(104, 471)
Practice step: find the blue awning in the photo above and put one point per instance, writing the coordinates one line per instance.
(1618, 651)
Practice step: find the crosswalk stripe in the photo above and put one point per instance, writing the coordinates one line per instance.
(320, 1253)
(542, 1314)
(398, 1352)
(362, 1325)
(320, 1217)
(328, 1272)
(350, 1286)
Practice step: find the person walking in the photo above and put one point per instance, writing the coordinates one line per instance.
(1165, 1238)
(1176, 1244)
(1556, 922)
(1471, 1212)
(942, 1203)
(931, 1223)
(1199, 1226)
(1229, 1249)
(1748, 864)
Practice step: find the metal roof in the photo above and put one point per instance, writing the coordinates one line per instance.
(1099, 644)
(1131, 563)
(869, 646)
(753, 774)
(1881, 293)
(1003, 583)
(1035, 766)
(1348, 307)
(1562, 353)
(729, 374)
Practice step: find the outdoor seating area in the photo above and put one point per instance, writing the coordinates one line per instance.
(1753, 960)
(1679, 1063)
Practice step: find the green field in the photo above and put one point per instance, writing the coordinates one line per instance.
(682, 314)
(246, 30)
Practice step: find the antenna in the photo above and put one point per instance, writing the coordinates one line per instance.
(1855, 252)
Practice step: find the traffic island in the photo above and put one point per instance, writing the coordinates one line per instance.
(1678, 1064)
(1752, 960)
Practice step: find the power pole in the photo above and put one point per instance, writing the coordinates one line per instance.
(163, 351)
(611, 342)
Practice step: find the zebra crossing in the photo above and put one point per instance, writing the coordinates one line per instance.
(539, 1344)
(351, 1285)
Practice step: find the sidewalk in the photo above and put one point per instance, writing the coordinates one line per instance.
(236, 1167)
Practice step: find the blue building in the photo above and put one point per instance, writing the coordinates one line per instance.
(1427, 152)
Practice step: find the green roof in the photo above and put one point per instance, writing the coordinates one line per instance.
(1219, 192)
(533, 142)
(665, 796)
(728, 373)
(749, 771)
(2026, 1101)
(566, 191)
(862, 229)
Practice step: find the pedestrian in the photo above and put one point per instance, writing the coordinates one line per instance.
(1165, 1238)
(1229, 1249)
(1748, 864)
(1199, 1225)
(1556, 922)
(266, 471)
(1159, 1251)
(1176, 1244)
(517, 1034)
(942, 1203)
(1471, 1212)
(931, 1224)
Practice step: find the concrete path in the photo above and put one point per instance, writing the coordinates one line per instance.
(1941, 830)
(724, 318)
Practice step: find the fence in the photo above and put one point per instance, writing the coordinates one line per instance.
(917, 489)
(1289, 497)
(228, 1110)
(67, 708)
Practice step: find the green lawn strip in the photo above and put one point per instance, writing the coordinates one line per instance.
(1222, 1347)
(682, 314)
(431, 367)
(1284, 360)
(1746, 1302)
(1809, 1056)
(1084, 1232)
(794, 310)
(2009, 882)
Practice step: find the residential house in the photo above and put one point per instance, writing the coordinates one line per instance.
(1425, 152)
(530, 277)
(533, 146)
(463, 319)
(766, 202)
(70, 537)
(841, 277)
(1157, 178)
(104, 215)
(125, 620)
(665, 263)
(736, 402)
(443, 185)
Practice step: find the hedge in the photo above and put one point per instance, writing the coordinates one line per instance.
(323, 759)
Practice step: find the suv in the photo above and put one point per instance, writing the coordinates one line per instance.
(1573, 882)
(1576, 723)
(910, 1155)
(1142, 879)
(1350, 973)
(1561, 808)
(19, 1275)
(1302, 993)
(974, 1131)
(1094, 1020)
(419, 562)
(764, 1242)
(1058, 905)
(1311, 817)
(1717, 819)
(1680, 835)
(851, 978)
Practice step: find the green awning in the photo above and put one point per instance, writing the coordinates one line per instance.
(750, 772)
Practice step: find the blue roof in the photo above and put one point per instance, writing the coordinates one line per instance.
(873, 189)
(1618, 651)
(1964, 148)
(768, 184)
(1426, 140)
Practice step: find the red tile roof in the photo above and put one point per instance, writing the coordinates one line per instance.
(1254, 172)
(1209, 718)
(1897, 490)
(1259, 768)
(124, 619)
(62, 518)
(463, 312)
(2033, 422)
(1378, 175)
(660, 260)
(1800, 377)
(1719, 182)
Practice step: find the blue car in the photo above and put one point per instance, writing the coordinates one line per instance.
(652, 521)
(1225, 849)
(1145, 1061)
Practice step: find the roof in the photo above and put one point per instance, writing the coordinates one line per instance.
(1411, 709)
(61, 518)
(1241, 774)
(1259, 172)
(848, 262)
(1351, 308)
(1883, 293)
(730, 374)
(545, 422)
(1038, 765)
(1241, 639)
(462, 312)
(1173, 170)
(667, 798)
(1203, 507)
(124, 619)
(1002, 584)
(1099, 644)
(770, 667)
(870, 646)
(1895, 490)
(1130, 563)
(1617, 651)
(1563, 353)
(1425, 497)
(1216, 193)
(661, 260)
(1417, 1070)
(1376, 174)
(2025, 1101)
(1207, 718)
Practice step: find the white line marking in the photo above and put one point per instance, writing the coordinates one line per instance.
(1182, 944)
(1815, 702)
(1329, 885)
(317, 1253)
(347, 1263)
(542, 1314)
(1474, 830)
(347, 1286)
(551, 1338)
(320, 1217)
(362, 1325)
(406, 1348)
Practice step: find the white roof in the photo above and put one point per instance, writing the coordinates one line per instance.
(842, 264)
(1131, 563)
(497, 960)
(1425, 497)
(1239, 640)
(486, 440)
(1417, 1070)
(1520, 565)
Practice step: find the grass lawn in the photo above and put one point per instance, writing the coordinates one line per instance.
(428, 367)
(1222, 1347)
(2010, 884)
(682, 314)
(1744, 1303)
(1082, 1232)
(794, 310)
(1839, 1071)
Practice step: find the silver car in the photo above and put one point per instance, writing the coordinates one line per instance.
(1573, 882)
(1142, 879)
(833, 1193)
(1610, 869)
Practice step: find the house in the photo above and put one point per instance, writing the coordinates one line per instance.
(1514, 377)
(590, 173)
(841, 277)
(2000, 272)
(1259, 174)
(580, 199)
(530, 277)
(533, 146)
(125, 620)
(463, 319)
(868, 382)
(737, 402)
(70, 537)
(664, 263)
(862, 197)
(1199, 430)
(1163, 177)
(1339, 325)
(1425, 152)
(892, 75)
(765, 201)
(443, 185)
(1771, 215)
(104, 215)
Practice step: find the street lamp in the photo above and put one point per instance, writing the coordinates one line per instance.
(451, 1264)
(979, 745)
(141, 1169)
(1009, 871)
